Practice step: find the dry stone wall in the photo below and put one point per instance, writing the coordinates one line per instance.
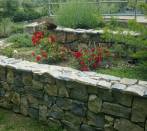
(71, 99)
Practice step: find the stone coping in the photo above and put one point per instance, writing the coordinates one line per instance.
(125, 85)
(93, 31)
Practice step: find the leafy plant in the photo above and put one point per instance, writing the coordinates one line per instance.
(78, 14)
(48, 50)
(91, 58)
(20, 40)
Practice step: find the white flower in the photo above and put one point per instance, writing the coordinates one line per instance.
(15, 51)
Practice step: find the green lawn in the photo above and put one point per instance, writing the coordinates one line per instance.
(133, 73)
(14, 122)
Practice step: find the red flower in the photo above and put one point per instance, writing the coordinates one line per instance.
(77, 54)
(52, 39)
(44, 54)
(82, 63)
(37, 37)
(33, 53)
(94, 65)
(38, 58)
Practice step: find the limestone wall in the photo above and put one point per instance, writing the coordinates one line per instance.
(74, 100)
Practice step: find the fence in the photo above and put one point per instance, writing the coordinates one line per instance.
(106, 7)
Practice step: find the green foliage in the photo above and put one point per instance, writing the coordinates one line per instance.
(20, 40)
(7, 51)
(22, 15)
(133, 73)
(76, 15)
(6, 27)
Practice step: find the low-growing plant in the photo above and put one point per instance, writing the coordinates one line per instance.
(20, 40)
(78, 14)
(49, 50)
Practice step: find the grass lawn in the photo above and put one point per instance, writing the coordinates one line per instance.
(133, 73)
(14, 122)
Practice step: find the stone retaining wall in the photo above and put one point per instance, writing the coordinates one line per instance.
(74, 100)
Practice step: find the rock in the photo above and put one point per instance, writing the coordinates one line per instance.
(68, 126)
(143, 83)
(16, 99)
(10, 76)
(127, 81)
(2, 73)
(37, 85)
(79, 92)
(47, 79)
(49, 100)
(105, 94)
(85, 127)
(104, 84)
(42, 113)
(146, 125)
(139, 110)
(51, 90)
(54, 123)
(70, 117)
(109, 123)
(123, 99)
(118, 86)
(33, 102)
(27, 79)
(78, 108)
(55, 112)
(24, 105)
(2, 92)
(116, 110)
(6, 86)
(136, 89)
(64, 103)
(16, 108)
(33, 113)
(96, 120)
(94, 104)
(62, 88)
(121, 124)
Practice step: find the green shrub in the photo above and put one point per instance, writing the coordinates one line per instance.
(22, 15)
(76, 15)
(20, 40)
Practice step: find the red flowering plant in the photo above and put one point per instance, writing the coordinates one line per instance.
(91, 58)
(47, 49)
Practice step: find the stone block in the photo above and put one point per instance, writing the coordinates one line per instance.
(139, 110)
(94, 103)
(64, 103)
(37, 85)
(79, 92)
(51, 90)
(49, 100)
(16, 99)
(116, 110)
(123, 99)
(96, 120)
(10, 76)
(123, 124)
(2, 73)
(33, 113)
(27, 78)
(42, 113)
(78, 108)
(56, 112)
